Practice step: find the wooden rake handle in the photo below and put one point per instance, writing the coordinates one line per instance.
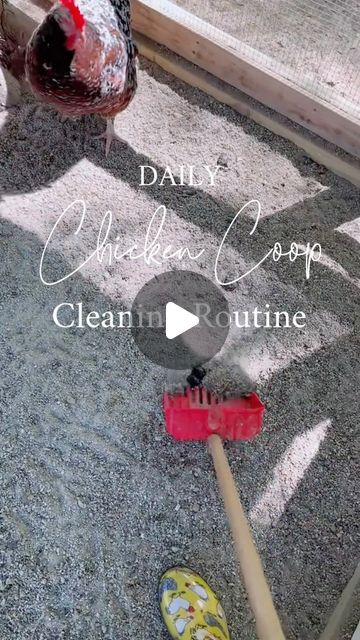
(267, 621)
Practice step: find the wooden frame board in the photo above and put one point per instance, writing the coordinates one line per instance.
(220, 91)
(218, 53)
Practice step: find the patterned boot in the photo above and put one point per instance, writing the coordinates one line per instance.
(190, 608)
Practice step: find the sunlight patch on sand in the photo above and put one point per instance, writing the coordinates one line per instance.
(288, 474)
(351, 228)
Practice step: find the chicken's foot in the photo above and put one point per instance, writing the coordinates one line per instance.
(110, 135)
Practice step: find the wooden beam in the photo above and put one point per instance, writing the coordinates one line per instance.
(349, 169)
(219, 54)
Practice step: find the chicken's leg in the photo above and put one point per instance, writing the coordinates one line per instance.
(109, 135)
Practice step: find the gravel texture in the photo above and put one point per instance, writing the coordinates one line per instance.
(96, 499)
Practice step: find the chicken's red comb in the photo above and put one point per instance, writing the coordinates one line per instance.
(75, 12)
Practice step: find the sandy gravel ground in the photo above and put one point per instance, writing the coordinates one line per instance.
(96, 500)
(314, 43)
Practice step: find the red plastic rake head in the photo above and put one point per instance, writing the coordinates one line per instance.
(197, 413)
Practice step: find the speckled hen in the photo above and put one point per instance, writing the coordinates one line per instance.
(82, 59)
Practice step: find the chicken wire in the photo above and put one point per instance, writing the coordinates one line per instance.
(313, 43)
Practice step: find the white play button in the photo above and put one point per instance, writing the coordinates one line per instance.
(168, 325)
(178, 320)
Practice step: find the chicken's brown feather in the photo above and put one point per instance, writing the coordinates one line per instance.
(99, 74)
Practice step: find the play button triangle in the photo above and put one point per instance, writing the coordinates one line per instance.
(178, 320)
(179, 302)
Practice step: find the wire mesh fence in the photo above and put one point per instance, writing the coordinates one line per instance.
(315, 44)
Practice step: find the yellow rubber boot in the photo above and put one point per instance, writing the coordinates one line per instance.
(190, 608)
